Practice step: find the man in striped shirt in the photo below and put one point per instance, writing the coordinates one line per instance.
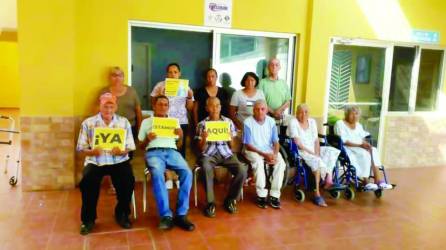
(219, 153)
(98, 163)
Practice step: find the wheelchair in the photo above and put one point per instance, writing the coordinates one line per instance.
(303, 180)
(348, 176)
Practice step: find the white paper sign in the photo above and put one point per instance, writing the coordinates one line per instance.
(218, 13)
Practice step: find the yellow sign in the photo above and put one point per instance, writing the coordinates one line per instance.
(176, 87)
(164, 127)
(108, 138)
(218, 131)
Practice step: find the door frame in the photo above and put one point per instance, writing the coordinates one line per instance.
(386, 80)
(292, 48)
(389, 47)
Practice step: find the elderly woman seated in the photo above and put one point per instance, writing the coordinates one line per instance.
(361, 153)
(320, 159)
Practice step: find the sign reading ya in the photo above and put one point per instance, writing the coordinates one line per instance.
(176, 87)
(218, 131)
(164, 127)
(108, 138)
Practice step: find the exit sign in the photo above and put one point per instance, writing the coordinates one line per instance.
(426, 36)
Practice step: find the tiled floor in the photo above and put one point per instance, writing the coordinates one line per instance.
(411, 217)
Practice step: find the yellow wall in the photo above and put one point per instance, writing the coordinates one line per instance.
(378, 19)
(47, 57)
(66, 46)
(9, 75)
(72, 43)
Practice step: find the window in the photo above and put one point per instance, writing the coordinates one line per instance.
(415, 79)
(357, 77)
(240, 53)
(429, 79)
(403, 60)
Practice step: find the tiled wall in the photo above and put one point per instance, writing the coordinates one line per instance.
(415, 141)
(49, 161)
(47, 152)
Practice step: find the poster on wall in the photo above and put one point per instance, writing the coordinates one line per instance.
(218, 13)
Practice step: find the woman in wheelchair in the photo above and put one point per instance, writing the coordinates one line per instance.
(362, 155)
(321, 160)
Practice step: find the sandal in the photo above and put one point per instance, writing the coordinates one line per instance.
(319, 201)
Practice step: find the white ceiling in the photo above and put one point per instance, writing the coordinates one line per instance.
(8, 15)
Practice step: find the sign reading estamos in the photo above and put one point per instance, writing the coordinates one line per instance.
(108, 138)
(165, 127)
(218, 131)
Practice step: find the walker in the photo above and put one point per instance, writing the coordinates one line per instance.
(11, 131)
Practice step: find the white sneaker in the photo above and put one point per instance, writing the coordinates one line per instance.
(177, 183)
(169, 184)
(384, 185)
(371, 186)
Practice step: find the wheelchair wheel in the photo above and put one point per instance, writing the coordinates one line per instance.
(284, 155)
(335, 194)
(378, 193)
(12, 181)
(299, 194)
(349, 193)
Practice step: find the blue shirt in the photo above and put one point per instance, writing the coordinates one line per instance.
(261, 136)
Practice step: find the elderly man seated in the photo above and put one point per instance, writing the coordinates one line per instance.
(100, 162)
(261, 142)
(161, 154)
(219, 153)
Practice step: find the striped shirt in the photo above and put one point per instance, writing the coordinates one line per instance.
(85, 141)
(221, 147)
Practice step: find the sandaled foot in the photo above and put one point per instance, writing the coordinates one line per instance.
(371, 187)
(384, 185)
(319, 201)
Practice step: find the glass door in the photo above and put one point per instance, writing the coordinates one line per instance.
(357, 78)
(236, 53)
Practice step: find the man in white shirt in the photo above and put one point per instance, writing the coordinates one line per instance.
(261, 142)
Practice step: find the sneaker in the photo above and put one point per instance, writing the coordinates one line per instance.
(169, 184)
(261, 202)
(384, 185)
(209, 211)
(86, 228)
(274, 202)
(231, 206)
(182, 222)
(371, 187)
(123, 221)
(166, 223)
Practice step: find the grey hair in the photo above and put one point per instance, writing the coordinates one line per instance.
(211, 98)
(350, 108)
(272, 59)
(260, 101)
(302, 106)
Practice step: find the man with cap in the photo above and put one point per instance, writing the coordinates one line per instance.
(99, 162)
